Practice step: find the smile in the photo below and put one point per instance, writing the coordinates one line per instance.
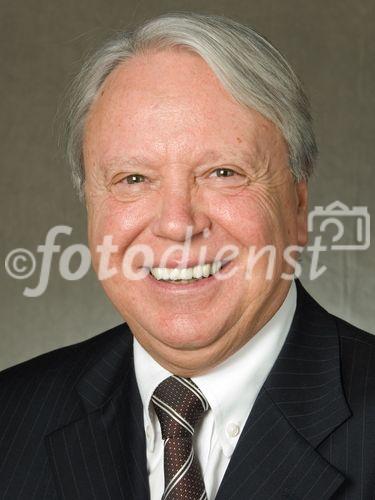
(189, 274)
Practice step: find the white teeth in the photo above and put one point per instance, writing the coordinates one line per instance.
(197, 272)
(157, 272)
(164, 273)
(206, 270)
(216, 266)
(186, 274)
(174, 274)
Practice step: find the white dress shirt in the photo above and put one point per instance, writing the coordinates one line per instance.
(230, 388)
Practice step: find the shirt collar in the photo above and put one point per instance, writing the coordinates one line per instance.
(149, 374)
(232, 387)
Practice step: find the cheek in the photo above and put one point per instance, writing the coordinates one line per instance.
(250, 218)
(116, 223)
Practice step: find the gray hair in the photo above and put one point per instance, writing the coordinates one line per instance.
(248, 66)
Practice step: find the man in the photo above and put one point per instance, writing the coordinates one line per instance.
(191, 143)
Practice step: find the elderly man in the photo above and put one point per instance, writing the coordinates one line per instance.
(191, 144)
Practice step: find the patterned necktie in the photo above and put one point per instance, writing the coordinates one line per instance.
(179, 404)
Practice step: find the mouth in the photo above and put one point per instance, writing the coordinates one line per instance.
(188, 275)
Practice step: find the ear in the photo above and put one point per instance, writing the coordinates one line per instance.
(302, 212)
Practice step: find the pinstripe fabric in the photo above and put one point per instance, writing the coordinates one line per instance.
(71, 421)
(67, 428)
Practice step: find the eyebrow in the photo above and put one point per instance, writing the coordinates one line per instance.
(238, 154)
(132, 161)
(115, 163)
(206, 157)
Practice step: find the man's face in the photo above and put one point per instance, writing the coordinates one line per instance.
(167, 151)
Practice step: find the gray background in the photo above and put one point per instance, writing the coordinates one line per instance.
(43, 42)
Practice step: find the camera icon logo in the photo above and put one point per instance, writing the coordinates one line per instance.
(338, 214)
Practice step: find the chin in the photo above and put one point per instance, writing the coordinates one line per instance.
(179, 334)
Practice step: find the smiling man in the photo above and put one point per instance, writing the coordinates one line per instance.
(191, 144)
(166, 148)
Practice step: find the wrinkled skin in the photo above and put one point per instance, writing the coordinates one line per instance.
(202, 160)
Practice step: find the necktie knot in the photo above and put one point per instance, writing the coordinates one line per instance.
(179, 405)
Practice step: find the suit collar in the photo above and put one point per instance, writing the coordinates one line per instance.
(112, 362)
(301, 403)
(103, 454)
(305, 382)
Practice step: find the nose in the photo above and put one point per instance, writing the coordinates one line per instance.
(179, 214)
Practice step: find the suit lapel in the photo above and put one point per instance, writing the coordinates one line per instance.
(301, 403)
(103, 454)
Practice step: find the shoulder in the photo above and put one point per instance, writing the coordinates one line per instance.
(55, 372)
(356, 345)
(65, 357)
(39, 396)
(310, 310)
(357, 355)
(352, 335)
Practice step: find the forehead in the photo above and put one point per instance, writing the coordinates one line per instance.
(171, 72)
(169, 102)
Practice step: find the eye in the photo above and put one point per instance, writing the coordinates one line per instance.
(125, 187)
(133, 179)
(224, 172)
(224, 178)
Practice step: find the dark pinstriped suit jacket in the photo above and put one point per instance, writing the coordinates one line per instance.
(71, 423)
